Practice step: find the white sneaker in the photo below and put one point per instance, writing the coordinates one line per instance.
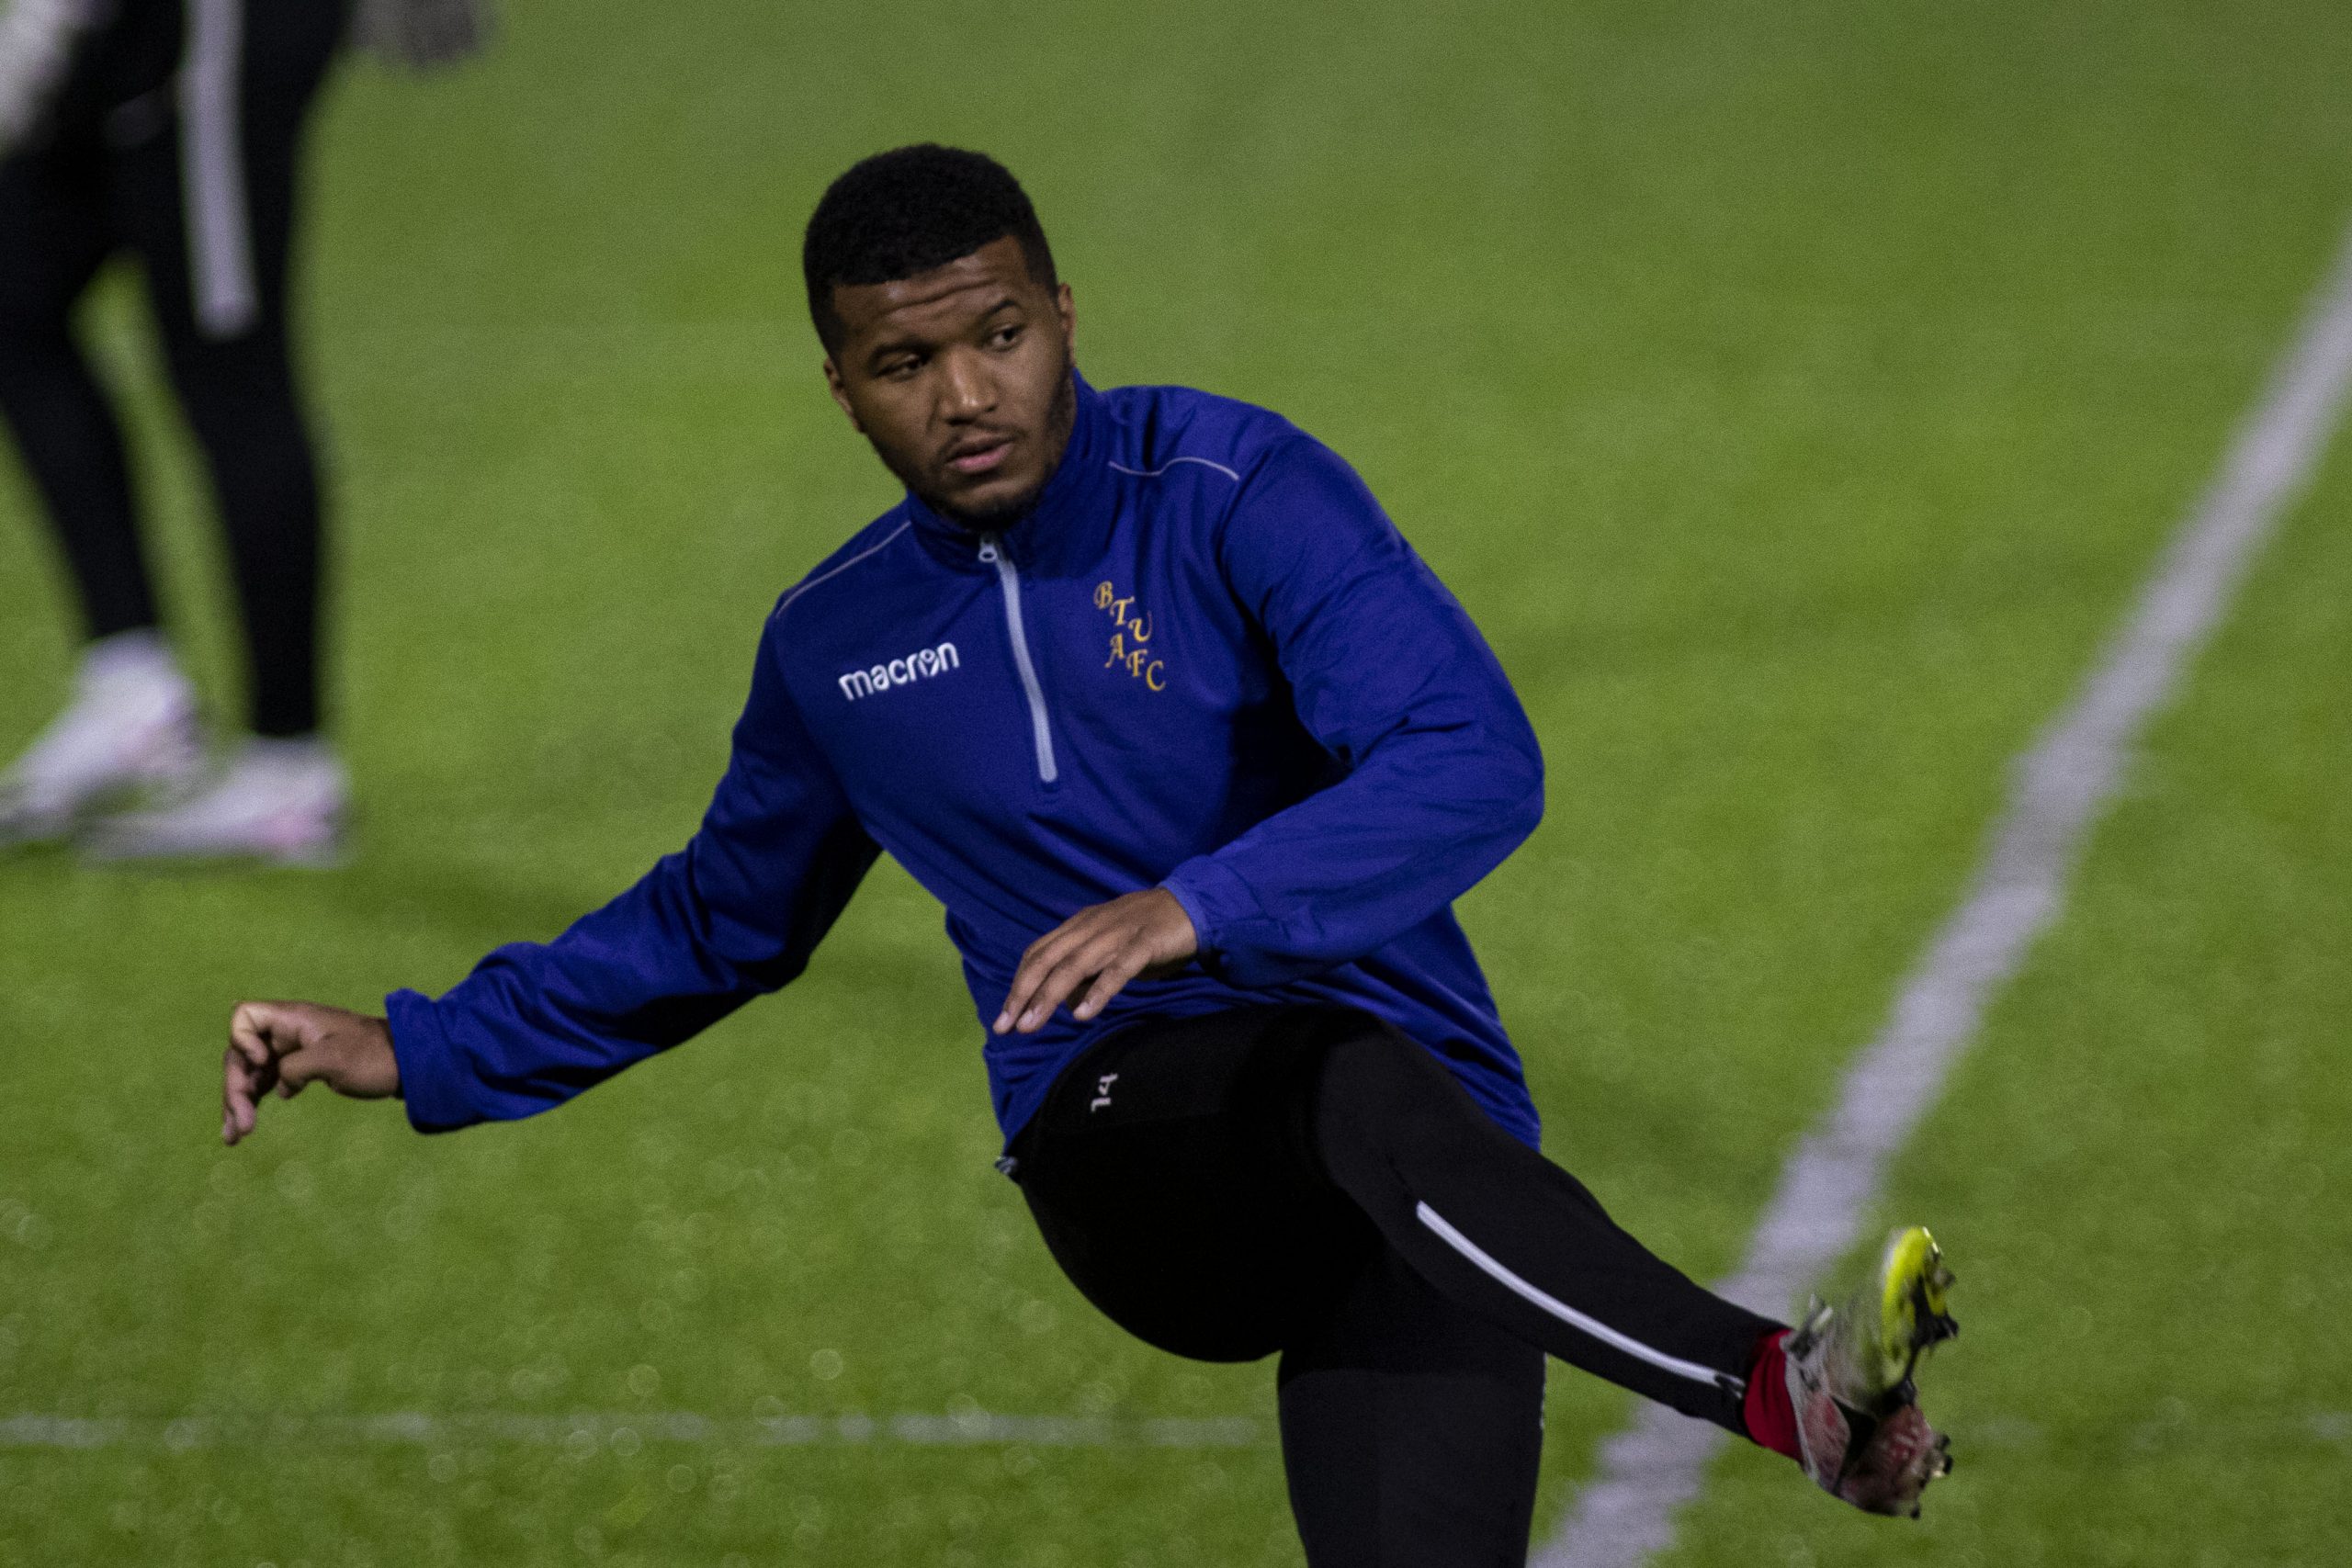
(131, 726)
(281, 801)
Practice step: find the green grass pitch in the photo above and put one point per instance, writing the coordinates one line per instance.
(1794, 392)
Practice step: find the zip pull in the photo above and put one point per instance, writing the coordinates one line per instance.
(988, 548)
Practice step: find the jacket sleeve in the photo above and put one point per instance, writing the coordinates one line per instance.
(1441, 777)
(733, 915)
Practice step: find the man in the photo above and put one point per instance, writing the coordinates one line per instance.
(1197, 753)
(172, 131)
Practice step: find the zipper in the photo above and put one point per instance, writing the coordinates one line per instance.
(1009, 579)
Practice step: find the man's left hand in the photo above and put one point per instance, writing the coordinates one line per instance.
(1140, 933)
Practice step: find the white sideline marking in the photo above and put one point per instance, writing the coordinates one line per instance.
(1650, 1469)
(625, 1432)
(585, 1431)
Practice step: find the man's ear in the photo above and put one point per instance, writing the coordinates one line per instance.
(841, 393)
(1068, 313)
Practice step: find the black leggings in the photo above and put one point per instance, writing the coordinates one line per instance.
(1309, 1182)
(117, 166)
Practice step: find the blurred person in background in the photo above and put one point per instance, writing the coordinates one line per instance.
(172, 131)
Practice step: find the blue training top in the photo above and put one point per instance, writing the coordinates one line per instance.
(1204, 659)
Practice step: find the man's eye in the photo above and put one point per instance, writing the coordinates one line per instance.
(1004, 337)
(901, 369)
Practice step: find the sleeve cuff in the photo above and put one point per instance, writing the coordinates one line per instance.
(1213, 899)
(433, 1084)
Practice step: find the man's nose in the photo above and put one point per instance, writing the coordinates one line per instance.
(966, 390)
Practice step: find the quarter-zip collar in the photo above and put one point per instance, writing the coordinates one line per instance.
(1065, 527)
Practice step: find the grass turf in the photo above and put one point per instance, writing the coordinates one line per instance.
(2144, 1159)
(1794, 392)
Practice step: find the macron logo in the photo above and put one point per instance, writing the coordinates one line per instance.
(898, 671)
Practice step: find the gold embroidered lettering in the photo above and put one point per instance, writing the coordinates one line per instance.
(1132, 631)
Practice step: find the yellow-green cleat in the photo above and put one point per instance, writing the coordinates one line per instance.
(1851, 1371)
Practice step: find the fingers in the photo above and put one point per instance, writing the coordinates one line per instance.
(249, 1068)
(1078, 967)
(302, 1066)
(1110, 957)
(1114, 980)
(250, 1028)
(1137, 933)
(1036, 963)
(1056, 966)
(284, 1046)
(242, 1084)
(1044, 972)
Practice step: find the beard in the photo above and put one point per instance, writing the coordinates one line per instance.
(1061, 416)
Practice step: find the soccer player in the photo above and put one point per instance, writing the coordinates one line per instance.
(1144, 686)
(173, 131)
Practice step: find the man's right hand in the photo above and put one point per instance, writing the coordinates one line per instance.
(287, 1045)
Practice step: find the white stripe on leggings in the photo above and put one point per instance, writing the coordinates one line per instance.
(1569, 1315)
(213, 174)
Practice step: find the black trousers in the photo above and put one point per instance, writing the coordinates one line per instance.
(177, 139)
(1309, 1182)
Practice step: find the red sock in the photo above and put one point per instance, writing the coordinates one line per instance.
(1772, 1420)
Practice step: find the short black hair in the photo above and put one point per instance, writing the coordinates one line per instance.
(908, 210)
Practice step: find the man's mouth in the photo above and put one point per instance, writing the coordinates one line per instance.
(980, 456)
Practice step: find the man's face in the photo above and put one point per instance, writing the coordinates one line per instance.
(960, 376)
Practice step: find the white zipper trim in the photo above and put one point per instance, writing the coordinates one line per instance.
(1569, 1315)
(1009, 580)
